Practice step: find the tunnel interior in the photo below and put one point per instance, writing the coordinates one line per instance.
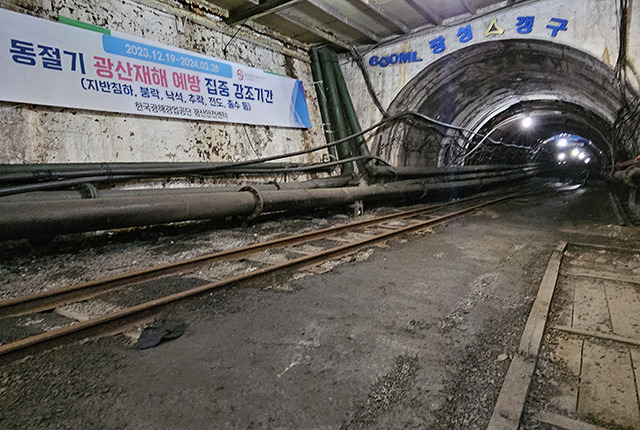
(521, 97)
(559, 134)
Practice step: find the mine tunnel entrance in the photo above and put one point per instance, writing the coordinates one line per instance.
(527, 100)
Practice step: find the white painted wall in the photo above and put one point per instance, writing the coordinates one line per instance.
(38, 134)
(592, 28)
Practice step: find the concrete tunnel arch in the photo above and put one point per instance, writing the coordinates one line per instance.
(476, 86)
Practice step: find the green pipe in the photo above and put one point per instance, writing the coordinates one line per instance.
(352, 119)
(322, 101)
(337, 117)
(347, 104)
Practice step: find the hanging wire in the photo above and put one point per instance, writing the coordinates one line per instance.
(627, 123)
(457, 143)
(367, 80)
(224, 50)
(246, 133)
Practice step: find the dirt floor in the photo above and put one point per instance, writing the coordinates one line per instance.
(415, 335)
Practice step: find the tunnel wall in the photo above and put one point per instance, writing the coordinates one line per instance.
(471, 81)
(470, 86)
(40, 134)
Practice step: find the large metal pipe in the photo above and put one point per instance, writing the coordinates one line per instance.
(81, 192)
(438, 171)
(59, 184)
(316, 71)
(457, 175)
(347, 104)
(333, 98)
(439, 174)
(46, 218)
(274, 201)
(32, 219)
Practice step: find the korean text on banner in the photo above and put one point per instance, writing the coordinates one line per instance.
(54, 64)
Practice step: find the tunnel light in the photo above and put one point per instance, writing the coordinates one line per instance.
(562, 143)
(582, 156)
(562, 156)
(527, 122)
(575, 152)
(587, 160)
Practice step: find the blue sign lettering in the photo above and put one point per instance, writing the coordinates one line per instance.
(397, 58)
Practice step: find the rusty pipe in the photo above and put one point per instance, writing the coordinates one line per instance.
(32, 219)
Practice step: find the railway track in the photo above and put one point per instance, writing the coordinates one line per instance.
(363, 234)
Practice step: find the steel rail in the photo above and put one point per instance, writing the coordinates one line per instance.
(118, 321)
(48, 300)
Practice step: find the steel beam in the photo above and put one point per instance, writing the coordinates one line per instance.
(265, 8)
(384, 15)
(326, 35)
(467, 6)
(425, 9)
(344, 19)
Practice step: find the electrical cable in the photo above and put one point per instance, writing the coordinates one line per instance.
(627, 122)
(364, 131)
(367, 80)
(357, 58)
(70, 182)
(319, 166)
(230, 167)
(224, 49)
(246, 133)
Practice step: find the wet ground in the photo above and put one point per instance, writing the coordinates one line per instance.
(415, 335)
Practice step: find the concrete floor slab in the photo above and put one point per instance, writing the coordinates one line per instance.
(566, 352)
(563, 302)
(608, 386)
(590, 307)
(624, 302)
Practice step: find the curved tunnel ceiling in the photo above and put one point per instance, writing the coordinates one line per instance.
(548, 119)
(481, 86)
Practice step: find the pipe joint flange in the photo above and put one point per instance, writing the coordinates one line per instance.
(257, 209)
(87, 191)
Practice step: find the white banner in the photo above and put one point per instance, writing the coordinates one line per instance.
(54, 64)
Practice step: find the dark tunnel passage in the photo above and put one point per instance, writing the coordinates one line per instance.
(523, 96)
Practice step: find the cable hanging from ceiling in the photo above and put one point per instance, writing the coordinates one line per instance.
(626, 126)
